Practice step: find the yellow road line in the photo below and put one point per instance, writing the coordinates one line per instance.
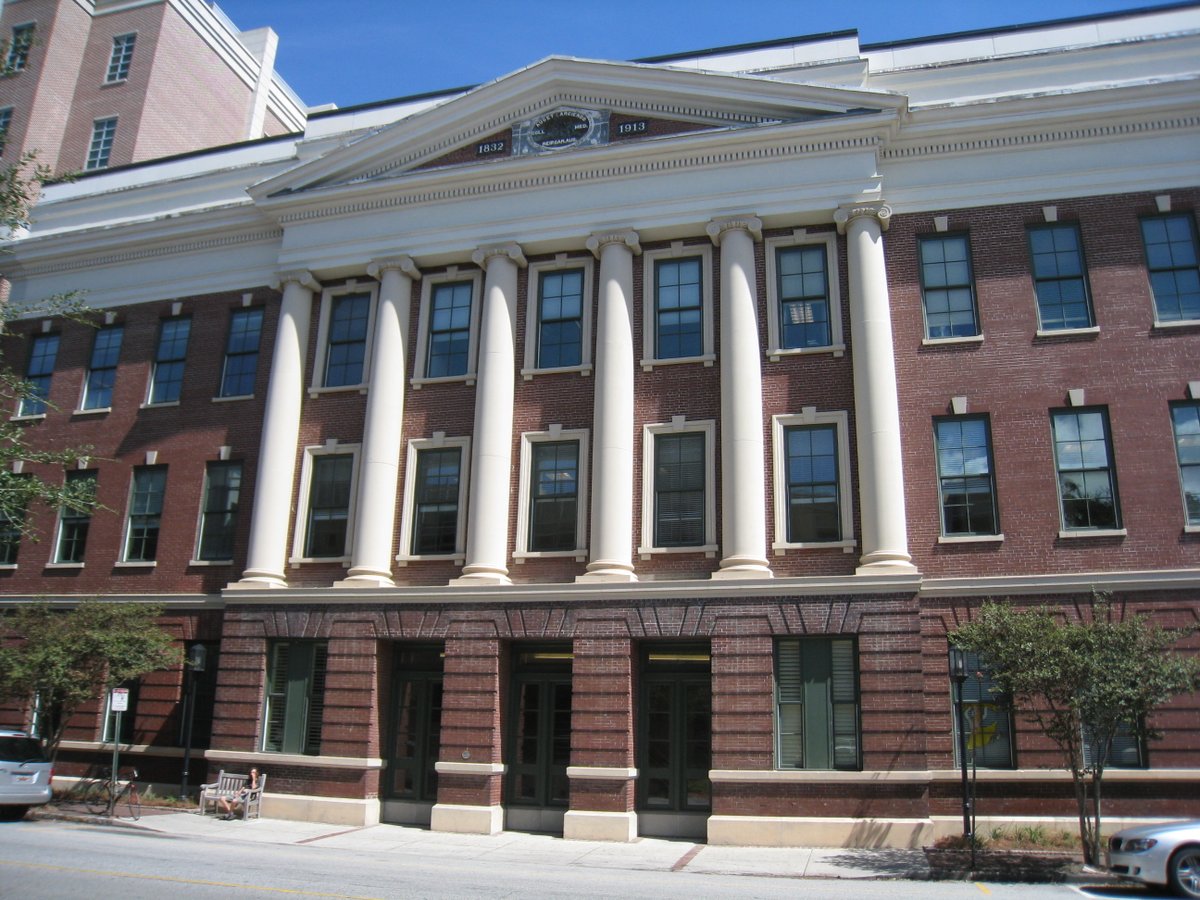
(982, 887)
(224, 884)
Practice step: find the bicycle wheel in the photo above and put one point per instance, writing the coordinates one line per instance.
(96, 797)
(134, 798)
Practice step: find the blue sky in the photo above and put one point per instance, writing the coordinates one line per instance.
(360, 51)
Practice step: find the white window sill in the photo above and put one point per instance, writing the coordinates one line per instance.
(32, 417)
(92, 411)
(648, 365)
(315, 391)
(457, 558)
(110, 83)
(468, 379)
(1067, 332)
(232, 399)
(775, 353)
(782, 548)
(709, 550)
(135, 564)
(584, 371)
(950, 341)
(8, 567)
(58, 565)
(580, 554)
(167, 404)
(971, 538)
(1182, 323)
(296, 561)
(1094, 533)
(1191, 529)
(210, 562)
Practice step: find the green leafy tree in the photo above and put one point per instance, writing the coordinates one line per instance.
(20, 487)
(1098, 677)
(66, 658)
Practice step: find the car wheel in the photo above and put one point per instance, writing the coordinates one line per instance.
(13, 813)
(1184, 871)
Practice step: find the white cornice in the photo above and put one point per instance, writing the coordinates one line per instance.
(1070, 583)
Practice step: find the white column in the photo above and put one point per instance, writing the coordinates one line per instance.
(280, 431)
(743, 466)
(491, 444)
(379, 466)
(612, 490)
(876, 400)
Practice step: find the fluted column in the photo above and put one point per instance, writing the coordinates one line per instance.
(267, 556)
(876, 400)
(379, 466)
(743, 465)
(491, 444)
(611, 537)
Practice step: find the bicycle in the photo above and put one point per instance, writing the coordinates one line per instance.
(102, 794)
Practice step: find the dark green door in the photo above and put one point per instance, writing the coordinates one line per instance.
(416, 725)
(675, 730)
(539, 737)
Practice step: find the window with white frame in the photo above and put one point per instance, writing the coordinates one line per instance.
(435, 497)
(448, 329)
(102, 369)
(43, 351)
(344, 337)
(104, 132)
(1173, 262)
(553, 498)
(327, 502)
(18, 48)
(677, 305)
(1185, 421)
(947, 286)
(74, 521)
(120, 58)
(146, 495)
(813, 505)
(241, 352)
(558, 320)
(804, 309)
(166, 378)
(679, 487)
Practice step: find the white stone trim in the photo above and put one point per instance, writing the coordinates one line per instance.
(1072, 583)
(601, 773)
(800, 238)
(300, 531)
(561, 262)
(408, 511)
(650, 258)
(451, 767)
(840, 420)
(328, 297)
(679, 425)
(266, 759)
(581, 437)
(421, 351)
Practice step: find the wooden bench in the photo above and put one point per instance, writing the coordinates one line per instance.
(229, 786)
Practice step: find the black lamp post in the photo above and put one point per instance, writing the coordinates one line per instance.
(958, 674)
(197, 656)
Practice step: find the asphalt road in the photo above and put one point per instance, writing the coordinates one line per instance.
(47, 860)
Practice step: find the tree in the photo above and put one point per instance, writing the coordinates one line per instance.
(1085, 680)
(20, 186)
(66, 658)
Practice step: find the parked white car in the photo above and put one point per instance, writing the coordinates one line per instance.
(1166, 854)
(25, 774)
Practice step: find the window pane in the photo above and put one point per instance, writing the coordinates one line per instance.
(965, 476)
(145, 513)
(554, 494)
(1086, 483)
(75, 522)
(814, 507)
(560, 319)
(241, 353)
(679, 483)
(449, 329)
(347, 340)
(102, 372)
(223, 483)
(43, 352)
(1185, 419)
(329, 505)
(435, 516)
(803, 297)
(1058, 277)
(167, 381)
(1171, 258)
(948, 289)
(678, 306)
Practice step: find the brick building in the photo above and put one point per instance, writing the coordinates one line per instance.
(98, 83)
(608, 448)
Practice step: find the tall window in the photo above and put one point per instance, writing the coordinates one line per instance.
(449, 329)
(145, 513)
(166, 382)
(679, 489)
(346, 346)
(295, 703)
(241, 352)
(1171, 258)
(104, 132)
(968, 492)
(102, 371)
(18, 50)
(1058, 277)
(947, 286)
(986, 719)
(74, 521)
(560, 319)
(1086, 481)
(1185, 419)
(5, 123)
(817, 704)
(329, 505)
(678, 308)
(43, 351)
(122, 55)
(12, 525)
(218, 516)
(554, 496)
(802, 285)
(1125, 752)
(814, 504)
(436, 501)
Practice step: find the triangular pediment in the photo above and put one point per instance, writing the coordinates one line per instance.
(560, 106)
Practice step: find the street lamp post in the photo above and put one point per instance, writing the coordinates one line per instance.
(958, 674)
(197, 656)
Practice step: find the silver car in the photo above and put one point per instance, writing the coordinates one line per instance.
(1166, 854)
(25, 774)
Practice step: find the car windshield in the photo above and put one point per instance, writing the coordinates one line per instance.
(21, 749)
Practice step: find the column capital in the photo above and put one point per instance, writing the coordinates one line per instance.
(402, 263)
(628, 237)
(511, 250)
(717, 227)
(302, 277)
(847, 211)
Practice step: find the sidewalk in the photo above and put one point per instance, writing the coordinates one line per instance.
(650, 854)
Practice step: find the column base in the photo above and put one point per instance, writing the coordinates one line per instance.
(884, 563)
(359, 578)
(600, 572)
(585, 825)
(257, 579)
(739, 567)
(481, 576)
(466, 819)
